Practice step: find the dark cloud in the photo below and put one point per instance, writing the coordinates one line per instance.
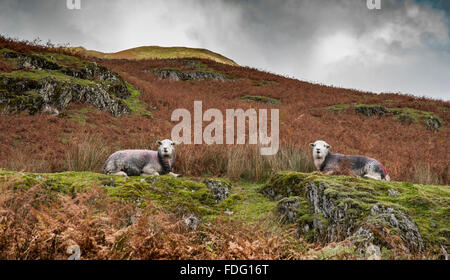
(402, 47)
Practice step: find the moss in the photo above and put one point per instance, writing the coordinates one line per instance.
(338, 107)
(264, 82)
(337, 252)
(38, 75)
(262, 99)
(251, 206)
(64, 59)
(403, 114)
(427, 205)
(135, 104)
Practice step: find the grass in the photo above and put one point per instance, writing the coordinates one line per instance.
(404, 114)
(155, 52)
(135, 104)
(262, 99)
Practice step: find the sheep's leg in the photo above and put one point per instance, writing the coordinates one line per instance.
(373, 176)
(146, 174)
(120, 173)
(175, 175)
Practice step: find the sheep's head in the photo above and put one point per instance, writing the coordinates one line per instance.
(320, 149)
(166, 148)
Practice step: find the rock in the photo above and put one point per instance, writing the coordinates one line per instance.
(219, 188)
(432, 123)
(405, 227)
(20, 93)
(178, 75)
(288, 208)
(50, 110)
(393, 193)
(444, 253)
(192, 221)
(335, 215)
(373, 252)
(74, 252)
(371, 111)
(52, 91)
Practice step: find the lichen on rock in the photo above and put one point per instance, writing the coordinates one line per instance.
(361, 211)
(220, 189)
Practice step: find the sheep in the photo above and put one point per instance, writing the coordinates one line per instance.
(143, 162)
(361, 166)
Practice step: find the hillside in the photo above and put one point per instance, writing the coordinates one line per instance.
(63, 113)
(156, 52)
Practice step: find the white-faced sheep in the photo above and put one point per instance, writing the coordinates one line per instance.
(143, 162)
(361, 166)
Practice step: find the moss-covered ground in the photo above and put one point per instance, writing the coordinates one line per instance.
(427, 205)
(404, 114)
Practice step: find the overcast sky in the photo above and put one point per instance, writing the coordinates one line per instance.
(404, 47)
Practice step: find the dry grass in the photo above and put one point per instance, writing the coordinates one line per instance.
(40, 224)
(86, 154)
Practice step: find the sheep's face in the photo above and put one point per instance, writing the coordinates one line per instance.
(320, 149)
(166, 148)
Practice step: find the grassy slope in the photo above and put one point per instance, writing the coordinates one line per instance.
(155, 52)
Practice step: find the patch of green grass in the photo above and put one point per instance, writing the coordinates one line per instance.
(63, 59)
(262, 99)
(38, 75)
(251, 206)
(338, 107)
(404, 114)
(262, 83)
(415, 115)
(135, 104)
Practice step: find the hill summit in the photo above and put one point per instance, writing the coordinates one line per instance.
(156, 52)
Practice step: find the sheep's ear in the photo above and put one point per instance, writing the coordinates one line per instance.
(312, 144)
(159, 142)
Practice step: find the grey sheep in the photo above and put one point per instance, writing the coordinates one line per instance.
(143, 162)
(361, 166)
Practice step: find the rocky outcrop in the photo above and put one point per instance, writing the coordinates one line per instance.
(20, 93)
(178, 75)
(432, 123)
(220, 189)
(371, 111)
(327, 210)
(44, 84)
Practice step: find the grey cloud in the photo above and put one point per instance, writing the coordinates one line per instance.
(403, 47)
